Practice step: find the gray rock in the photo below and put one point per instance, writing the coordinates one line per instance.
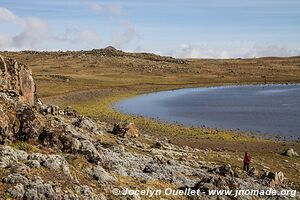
(31, 194)
(17, 192)
(14, 154)
(54, 161)
(16, 178)
(76, 144)
(87, 193)
(37, 188)
(38, 156)
(5, 161)
(87, 123)
(100, 175)
(47, 191)
(183, 181)
(19, 168)
(33, 164)
(158, 170)
(88, 149)
(9, 156)
(57, 162)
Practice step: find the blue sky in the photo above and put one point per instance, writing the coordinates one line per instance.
(180, 28)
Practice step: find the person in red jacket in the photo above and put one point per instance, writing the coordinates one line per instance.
(247, 161)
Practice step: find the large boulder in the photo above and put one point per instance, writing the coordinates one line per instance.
(126, 129)
(17, 78)
(19, 116)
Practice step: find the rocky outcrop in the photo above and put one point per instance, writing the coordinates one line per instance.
(17, 78)
(18, 121)
(126, 129)
(113, 52)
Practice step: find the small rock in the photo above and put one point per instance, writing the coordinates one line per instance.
(290, 153)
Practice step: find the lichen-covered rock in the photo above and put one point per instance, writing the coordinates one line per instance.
(17, 78)
(52, 161)
(16, 178)
(17, 192)
(91, 153)
(14, 154)
(18, 121)
(31, 123)
(9, 123)
(33, 164)
(9, 156)
(20, 168)
(100, 175)
(126, 129)
(87, 193)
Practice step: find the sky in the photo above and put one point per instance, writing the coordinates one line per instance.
(178, 28)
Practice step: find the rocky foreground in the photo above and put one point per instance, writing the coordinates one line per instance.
(52, 153)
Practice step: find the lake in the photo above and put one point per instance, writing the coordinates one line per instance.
(265, 109)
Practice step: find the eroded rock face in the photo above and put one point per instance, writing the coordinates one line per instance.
(17, 78)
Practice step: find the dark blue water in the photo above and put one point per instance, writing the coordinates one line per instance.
(266, 109)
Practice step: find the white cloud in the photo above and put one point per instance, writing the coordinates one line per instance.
(33, 31)
(7, 15)
(241, 50)
(99, 9)
(36, 34)
(89, 38)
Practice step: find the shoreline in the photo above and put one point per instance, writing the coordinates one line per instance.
(260, 135)
(203, 138)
